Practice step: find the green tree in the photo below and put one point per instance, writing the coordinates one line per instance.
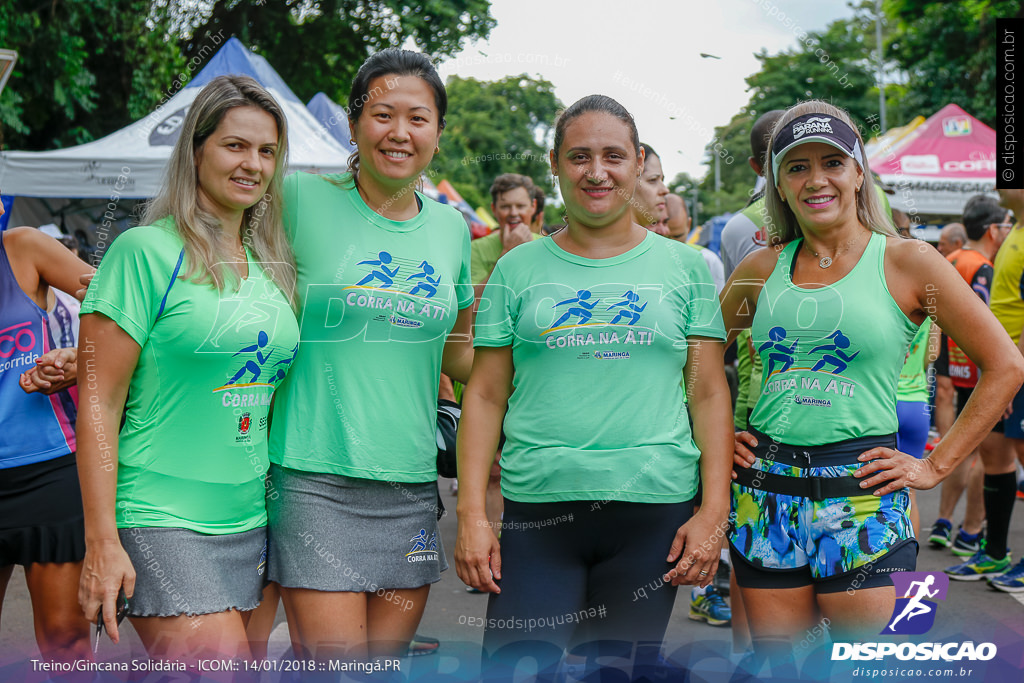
(833, 65)
(948, 53)
(85, 68)
(319, 45)
(496, 127)
(89, 67)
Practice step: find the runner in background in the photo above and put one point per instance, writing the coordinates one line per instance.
(993, 561)
(678, 224)
(951, 238)
(41, 523)
(649, 208)
(987, 224)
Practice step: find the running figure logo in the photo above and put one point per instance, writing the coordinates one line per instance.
(385, 274)
(577, 307)
(424, 548)
(782, 354)
(630, 311)
(256, 367)
(914, 613)
(838, 358)
(427, 284)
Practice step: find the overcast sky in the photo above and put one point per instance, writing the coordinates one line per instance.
(646, 54)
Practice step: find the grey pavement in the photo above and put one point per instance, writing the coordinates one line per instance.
(971, 611)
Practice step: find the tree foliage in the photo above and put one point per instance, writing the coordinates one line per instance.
(496, 127)
(84, 69)
(948, 52)
(319, 46)
(89, 67)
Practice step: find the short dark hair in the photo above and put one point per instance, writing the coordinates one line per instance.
(648, 151)
(761, 133)
(980, 212)
(538, 196)
(510, 181)
(599, 103)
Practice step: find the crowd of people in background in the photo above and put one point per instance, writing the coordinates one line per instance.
(247, 413)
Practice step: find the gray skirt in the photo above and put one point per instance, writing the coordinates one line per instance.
(330, 532)
(178, 571)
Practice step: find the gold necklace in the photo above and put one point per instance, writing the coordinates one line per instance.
(826, 261)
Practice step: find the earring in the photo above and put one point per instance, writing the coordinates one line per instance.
(351, 141)
(437, 148)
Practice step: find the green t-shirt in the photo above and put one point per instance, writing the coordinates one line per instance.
(484, 253)
(378, 298)
(913, 384)
(193, 450)
(598, 410)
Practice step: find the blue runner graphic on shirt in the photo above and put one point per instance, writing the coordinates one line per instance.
(582, 311)
(428, 284)
(384, 274)
(257, 366)
(839, 360)
(783, 354)
(630, 311)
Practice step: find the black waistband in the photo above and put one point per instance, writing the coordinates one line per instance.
(814, 488)
(827, 455)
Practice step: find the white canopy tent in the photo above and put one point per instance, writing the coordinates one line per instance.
(130, 162)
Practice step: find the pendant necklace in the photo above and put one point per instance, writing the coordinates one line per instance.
(826, 261)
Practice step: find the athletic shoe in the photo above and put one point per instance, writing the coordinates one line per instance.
(1010, 582)
(721, 580)
(978, 567)
(941, 531)
(1020, 490)
(711, 608)
(423, 645)
(965, 548)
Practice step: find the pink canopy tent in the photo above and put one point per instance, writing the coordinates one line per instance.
(940, 165)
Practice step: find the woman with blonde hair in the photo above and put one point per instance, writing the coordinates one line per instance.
(820, 492)
(189, 317)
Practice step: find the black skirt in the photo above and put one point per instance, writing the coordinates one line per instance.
(41, 513)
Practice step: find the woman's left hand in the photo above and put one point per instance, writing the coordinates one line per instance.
(896, 470)
(55, 371)
(696, 549)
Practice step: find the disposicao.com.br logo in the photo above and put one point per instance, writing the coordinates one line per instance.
(914, 614)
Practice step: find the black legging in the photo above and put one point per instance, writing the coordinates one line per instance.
(587, 564)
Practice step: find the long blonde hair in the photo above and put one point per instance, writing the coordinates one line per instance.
(199, 229)
(782, 223)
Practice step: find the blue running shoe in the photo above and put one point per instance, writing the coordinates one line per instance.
(1010, 582)
(942, 530)
(978, 567)
(962, 547)
(711, 608)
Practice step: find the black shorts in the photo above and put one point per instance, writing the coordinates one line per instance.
(902, 558)
(962, 395)
(41, 513)
(942, 362)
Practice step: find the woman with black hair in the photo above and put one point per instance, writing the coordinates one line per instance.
(385, 295)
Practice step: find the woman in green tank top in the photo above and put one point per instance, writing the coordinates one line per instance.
(819, 492)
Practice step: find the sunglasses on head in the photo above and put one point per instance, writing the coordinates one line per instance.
(122, 612)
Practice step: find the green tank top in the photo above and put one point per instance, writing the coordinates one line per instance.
(913, 384)
(831, 355)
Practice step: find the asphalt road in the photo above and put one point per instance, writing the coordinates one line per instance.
(971, 611)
